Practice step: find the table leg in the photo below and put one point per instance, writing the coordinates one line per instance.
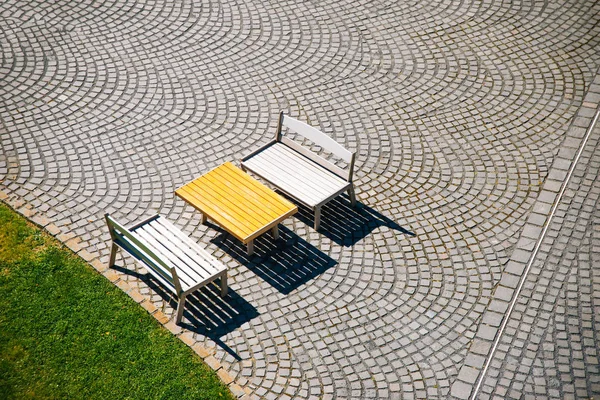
(276, 232)
(203, 219)
(250, 247)
(317, 218)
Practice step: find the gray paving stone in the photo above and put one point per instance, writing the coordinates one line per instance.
(457, 116)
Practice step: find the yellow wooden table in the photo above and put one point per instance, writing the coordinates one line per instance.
(237, 202)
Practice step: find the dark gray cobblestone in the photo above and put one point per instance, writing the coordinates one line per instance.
(456, 111)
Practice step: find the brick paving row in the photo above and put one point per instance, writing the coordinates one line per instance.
(551, 346)
(508, 319)
(456, 110)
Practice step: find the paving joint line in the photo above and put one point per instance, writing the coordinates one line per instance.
(534, 254)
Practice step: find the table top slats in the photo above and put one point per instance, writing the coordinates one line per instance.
(261, 195)
(248, 203)
(236, 201)
(206, 202)
(233, 203)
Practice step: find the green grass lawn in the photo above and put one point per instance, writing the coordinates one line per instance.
(67, 332)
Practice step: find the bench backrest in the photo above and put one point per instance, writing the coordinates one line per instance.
(320, 139)
(138, 248)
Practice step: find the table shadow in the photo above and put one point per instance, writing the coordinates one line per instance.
(285, 263)
(346, 225)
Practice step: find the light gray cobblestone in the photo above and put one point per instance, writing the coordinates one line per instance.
(562, 289)
(457, 112)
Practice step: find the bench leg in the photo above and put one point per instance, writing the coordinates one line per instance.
(180, 307)
(224, 285)
(352, 196)
(276, 232)
(250, 247)
(317, 218)
(113, 255)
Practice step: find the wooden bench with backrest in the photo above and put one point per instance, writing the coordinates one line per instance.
(169, 255)
(299, 172)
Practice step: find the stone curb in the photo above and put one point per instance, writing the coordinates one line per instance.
(71, 241)
(470, 372)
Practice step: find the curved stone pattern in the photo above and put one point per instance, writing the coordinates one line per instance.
(550, 349)
(455, 109)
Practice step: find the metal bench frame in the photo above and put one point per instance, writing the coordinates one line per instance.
(168, 255)
(282, 162)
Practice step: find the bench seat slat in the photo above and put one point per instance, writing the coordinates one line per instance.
(316, 172)
(191, 255)
(207, 257)
(151, 266)
(289, 159)
(188, 270)
(281, 178)
(295, 174)
(277, 166)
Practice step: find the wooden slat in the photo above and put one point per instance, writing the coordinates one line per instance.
(172, 248)
(205, 256)
(323, 177)
(345, 174)
(295, 174)
(189, 270)
(236, 201)
(226, 207)
(234, 204)
(148, 262)
(170, 254)
(279, 179)
(317, 137)
(143, 248)
(240, 198)
(217, 214)
(190, 255)
(258, 187)
(300, 169)
(255, 190)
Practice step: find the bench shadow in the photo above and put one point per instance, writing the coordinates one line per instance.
(346, 225)
(206, 312)
(285, 263)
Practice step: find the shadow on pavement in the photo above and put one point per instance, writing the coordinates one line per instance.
(346, 225)
(285, 263)
(206, 312)
(209, 314)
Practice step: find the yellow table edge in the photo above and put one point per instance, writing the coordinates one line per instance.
(293, 209)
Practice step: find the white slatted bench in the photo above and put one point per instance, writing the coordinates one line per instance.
(169, 255)
(299, 172)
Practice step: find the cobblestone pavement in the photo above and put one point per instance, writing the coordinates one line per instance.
(552, 341)
(529, 343)
(456, 110)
